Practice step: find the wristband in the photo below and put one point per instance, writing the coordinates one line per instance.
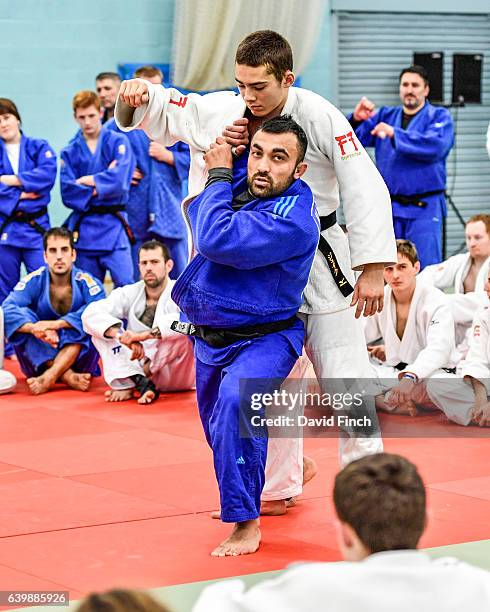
(410, 376)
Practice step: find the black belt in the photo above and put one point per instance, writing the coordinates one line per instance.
(400, 366)
(115, 211)
(326, 250)
(19, 216)
(417, 199)
(221, 337)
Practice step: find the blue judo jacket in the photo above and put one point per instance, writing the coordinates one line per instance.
(112, 166)
(37, 172)
(252, 265)
(414, 160)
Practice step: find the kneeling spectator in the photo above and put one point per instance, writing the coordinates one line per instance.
(417, 329)
(466, 274)
(147, 357)
(43, 319)
(468, 401)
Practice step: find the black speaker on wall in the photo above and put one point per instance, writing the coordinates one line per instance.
(433, 63)
(467, 69)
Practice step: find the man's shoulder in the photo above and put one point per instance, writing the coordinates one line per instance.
(86, 279)
(32, 279)
(311, 105)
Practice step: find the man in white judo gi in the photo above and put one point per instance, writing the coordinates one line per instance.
(380, 503)
(467, 400)
(147, 357)
(336, 163)
(417, 330)
(466, 274)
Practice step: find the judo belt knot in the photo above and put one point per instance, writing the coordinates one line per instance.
(417, 199)
(222, 337)
(20, 216)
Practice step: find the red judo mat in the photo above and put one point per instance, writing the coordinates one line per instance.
(96, 495)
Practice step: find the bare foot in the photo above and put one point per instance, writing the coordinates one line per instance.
(79, 382)
(310, 469)
(244, 540)
(118, 395)
(147, 398)
(276, 507)
(40, 384)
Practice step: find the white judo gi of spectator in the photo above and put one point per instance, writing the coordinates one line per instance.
(380, 503)
(468, 401)
(148, 357)
(465, 274)
(417, 330)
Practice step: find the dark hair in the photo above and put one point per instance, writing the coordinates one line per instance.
(266, 48)
(121, 600)
(108, 75)
(155, 244)
(382, 497)
(283, 124)
(58, 232)
(148, 71)
(420, 70)
(408, 249)
(7, 107)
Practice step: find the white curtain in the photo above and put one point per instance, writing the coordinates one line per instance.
(207, 33)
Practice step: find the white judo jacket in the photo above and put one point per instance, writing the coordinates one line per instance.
(129, 303)
(477, 362)
(450, 274)
(338, 166)
(428, 340)
(405, 581)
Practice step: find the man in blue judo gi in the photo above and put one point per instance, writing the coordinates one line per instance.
(412, 142)
(43, 319)
(27, 175)
(241, 293)
(96, 170)
(154, 205)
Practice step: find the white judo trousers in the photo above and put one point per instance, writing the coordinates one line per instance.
(456, 397)
(337, 163)
(171, 358)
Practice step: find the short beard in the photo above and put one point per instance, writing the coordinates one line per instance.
(274, 189)
(154, 284)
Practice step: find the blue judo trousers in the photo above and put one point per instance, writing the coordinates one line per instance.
(414, 162)
(103, 243)
(251, 268)
(154, 204)
(29, 302)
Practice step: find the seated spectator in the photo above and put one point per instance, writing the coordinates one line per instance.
(468, 401)
(96, 169)
(154, 205)
(7, 380)
(120, 600)
(417, 331)
(43, 319)
(147, 357)
(380, 504)
(466, 273)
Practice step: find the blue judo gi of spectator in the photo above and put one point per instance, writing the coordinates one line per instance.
(29, 302)
(154, 204)
(251, 268)
(414, 162)
(103, 242)
(21, 240)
